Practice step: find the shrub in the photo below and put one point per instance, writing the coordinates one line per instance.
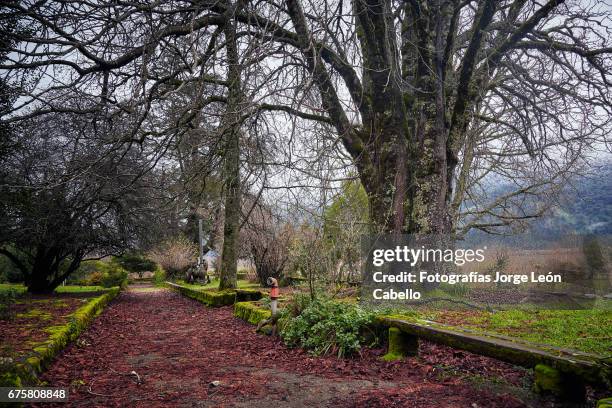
(134, 262)
(298, 303)
(93, 279)
(159, 276)
(242, 274)
(175, 256)
(325, 326)
(7, 298)
(100, 273)
(310, 257)
(80, 276)
(9, 272)
(593, 256)
(115, 276)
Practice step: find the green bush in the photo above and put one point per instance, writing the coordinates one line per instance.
(7, 297)
(159, 276)
(325, 326)
(593, 255)
(9, 273)
(134, 262)
(100, 273)
(93, 279)
(242, 274)
(114, 276)
(299, 302)
(84, 273)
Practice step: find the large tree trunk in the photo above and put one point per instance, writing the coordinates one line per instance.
(47, 273)
(38, 282)
(229, 255)
(44, 267)
(414, 105)
(408, 193)
(231, 130)
(405, 171)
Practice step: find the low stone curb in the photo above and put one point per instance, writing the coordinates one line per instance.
(250, 312)
(25, 370)
(217, 298)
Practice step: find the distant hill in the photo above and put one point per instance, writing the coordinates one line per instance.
(588, 209)
(585, 207)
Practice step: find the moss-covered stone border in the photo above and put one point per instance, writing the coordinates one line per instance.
(604, 403)
(253, 313)
(588, 368)
(401, 345)
(24, 370)
(217, 298)
(250, 312)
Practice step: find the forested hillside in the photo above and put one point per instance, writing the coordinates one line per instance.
(584, 207)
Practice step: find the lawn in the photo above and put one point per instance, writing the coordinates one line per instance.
(16, 289)
(20, 289)
(29, 320)
(214, 284)
(585, 330)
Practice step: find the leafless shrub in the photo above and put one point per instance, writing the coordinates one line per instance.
(267, 240)
(309, 257)
(175, 255)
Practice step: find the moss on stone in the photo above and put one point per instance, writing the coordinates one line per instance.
(250, 312)
(401, 345)
(217, 298)
(584, 367)
(24, 371)
(604, 403)
(34, 314)
(549, 380)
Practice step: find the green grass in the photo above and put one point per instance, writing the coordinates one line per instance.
(14, 287)
(21, 289)
(242, 284)
(79, 289)
(584, 330)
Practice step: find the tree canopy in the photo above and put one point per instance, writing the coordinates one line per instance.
(424, 99)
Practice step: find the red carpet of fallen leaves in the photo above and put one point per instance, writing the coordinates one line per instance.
(177, 348)
(24, 328)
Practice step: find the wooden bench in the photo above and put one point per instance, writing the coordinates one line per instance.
(559, 371)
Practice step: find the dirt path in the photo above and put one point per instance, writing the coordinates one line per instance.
(178, 348)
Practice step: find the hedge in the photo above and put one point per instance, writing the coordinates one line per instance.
(217, 298)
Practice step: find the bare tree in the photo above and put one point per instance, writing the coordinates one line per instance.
(268, 239)
(431, 69)
(426, 97)
(68, 194)
(231, 166)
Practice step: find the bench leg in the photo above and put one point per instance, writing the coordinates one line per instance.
(401, 345)
(562, 385)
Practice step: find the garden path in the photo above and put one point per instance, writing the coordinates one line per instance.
(178, 348)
